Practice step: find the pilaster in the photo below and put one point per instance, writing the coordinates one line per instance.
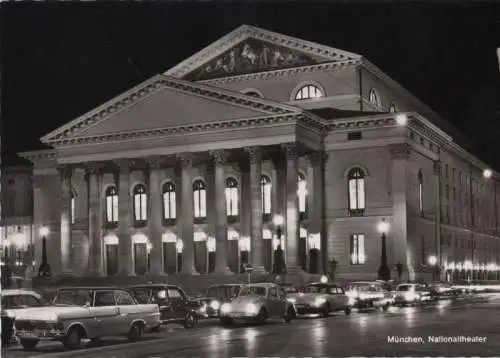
(292, 213)
(316, 202)
(155, 215)
(66, 172)
(94, 178)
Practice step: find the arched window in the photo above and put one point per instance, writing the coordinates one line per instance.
(302, 193)
(420, 192)
(356, 179)
(309, 92)
(265, 192)
(169, 207)
(374, 98)
(200, 199)
(232, 202)
(72, 206)
(111, 205)
(253, 94)
(140, 203)
(393, 108)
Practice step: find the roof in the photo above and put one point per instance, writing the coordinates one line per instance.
(16, 292)
(333, 113)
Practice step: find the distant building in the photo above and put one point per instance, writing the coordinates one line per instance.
(186, 171)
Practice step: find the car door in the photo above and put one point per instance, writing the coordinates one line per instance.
(273, 303)
(106, 314)
(177, 301)
(282, 306)
(128, 309)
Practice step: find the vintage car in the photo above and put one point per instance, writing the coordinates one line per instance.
(320, 298)
(12, 302)
(256, 303)
(411, 294)
(441, 291)
(80, 313)
(369, 295)
(172, 301)
(215, 296)
(289, 288)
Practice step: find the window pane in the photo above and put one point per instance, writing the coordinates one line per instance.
(166, 206)
(420, 197)
(235, 201)
(109, 208)
(203, 203)
(114, 217)
(361, 249)
(173, 207)
(73, 210)
(196, 202)
(137, 207)
(352, 194)
(144, 206)
(267, 199)
(361, 193)
(227, 193)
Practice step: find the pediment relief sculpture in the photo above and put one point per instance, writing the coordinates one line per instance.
(251, 55)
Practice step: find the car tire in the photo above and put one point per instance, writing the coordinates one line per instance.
(347, 311)
(29, 344)
(261, 316)
(289, 315)
(226, 322)
(73, 339)
(135, 332)
(326, 310)
(190, 321)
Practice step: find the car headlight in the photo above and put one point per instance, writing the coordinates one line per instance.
(203, 308)
(319, 301)
(251, 308)
(351, 301)
(411, 296)
(291, 299)
(215, 305)
(225, 308)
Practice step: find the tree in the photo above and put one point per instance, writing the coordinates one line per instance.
(279, 265)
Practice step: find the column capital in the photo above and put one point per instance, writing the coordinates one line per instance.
(124, 165)
(291, 151)
(154, 162)
(314, 158)
(254, 154)
(185, 159)
(93, 168)
(220, 156)
(400, 151)
(65, 170)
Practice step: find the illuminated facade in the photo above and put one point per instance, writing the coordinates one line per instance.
(186, 171)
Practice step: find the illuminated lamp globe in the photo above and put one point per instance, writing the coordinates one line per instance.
(278, 220)
(487, 173)
(383, 227)
(401, 119)
(44, 231)
(323, 279)
(432, 260)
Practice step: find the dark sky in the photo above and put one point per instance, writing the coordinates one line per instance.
(60, 60)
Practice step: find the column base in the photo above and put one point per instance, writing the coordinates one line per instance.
(259, 270)
(93, 273)
(224, 271)
(126, 274)
(192, 273)
(154, 273)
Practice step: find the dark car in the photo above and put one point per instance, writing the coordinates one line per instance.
(174, 305)
(215, 296)
(441, 291)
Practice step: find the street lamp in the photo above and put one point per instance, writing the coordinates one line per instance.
(384, 273)
(433, 261)
(487, 173)
(44, 269)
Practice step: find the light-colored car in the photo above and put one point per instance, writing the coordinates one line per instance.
(257, 302)
(368, 295)
(411, 294)
(320, 298)
(86, 313)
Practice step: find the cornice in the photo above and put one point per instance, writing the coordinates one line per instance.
(264, 75)
(39, 155)
(243, 32)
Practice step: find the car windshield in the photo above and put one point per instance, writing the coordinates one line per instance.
(317, 289)
(223, 292)
(73, 297)
(22, 301)
(362, 287)
(404, 288)
(290, 289)
(253, 290)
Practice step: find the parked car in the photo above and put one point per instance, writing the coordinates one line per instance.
(172, 301)
(369, 294)
(215, 296)
(411, 294)
(86, 312)
(12, 302)
(440, 291)
(289, 288)
(320, 298)
(257, 302)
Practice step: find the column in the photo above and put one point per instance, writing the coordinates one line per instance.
(256, 245)
(292, 212)
(155, 217)
(316, 204)
(66, 171)
(95, 241)
(398, 231)
(125, 212)
(220, 159)
(186, 225)
(437, 176)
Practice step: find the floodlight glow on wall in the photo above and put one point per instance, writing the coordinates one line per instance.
(401, 119)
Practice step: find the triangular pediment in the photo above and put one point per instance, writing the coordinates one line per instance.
(163, 103)
(249, 49)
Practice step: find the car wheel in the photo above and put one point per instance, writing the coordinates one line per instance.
(225, 321)
(326, 310)
(289, 314)
(73, 338)
(347, 311)
(155, 329)
(29, 343)
(135, 332)
(262, 316)
(190, 321)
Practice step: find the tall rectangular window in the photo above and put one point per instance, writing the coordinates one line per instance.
(357, 249)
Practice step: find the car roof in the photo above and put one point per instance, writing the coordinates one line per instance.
(17, 292)
(261, 284)
(227, 285)
(90, 288)
(326, 284)
(152, 285)
(365, 283)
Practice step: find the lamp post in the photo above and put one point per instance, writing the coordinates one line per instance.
(279, 265)
(384, 273)
(44, 269)
(432, 260)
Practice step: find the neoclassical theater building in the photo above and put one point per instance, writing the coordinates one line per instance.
(257, 141)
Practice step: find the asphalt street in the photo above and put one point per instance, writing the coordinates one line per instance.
(360, 334)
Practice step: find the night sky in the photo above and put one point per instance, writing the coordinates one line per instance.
(60, 60)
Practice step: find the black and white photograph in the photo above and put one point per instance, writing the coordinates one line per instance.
(230, 179)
